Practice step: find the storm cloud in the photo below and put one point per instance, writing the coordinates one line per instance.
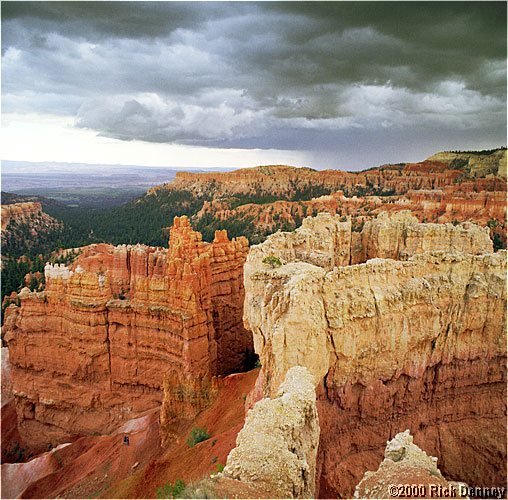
(343, 81)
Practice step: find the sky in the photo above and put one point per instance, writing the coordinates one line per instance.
(346, 85)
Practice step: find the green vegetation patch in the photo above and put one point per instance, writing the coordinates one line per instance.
(169, 490)
(272, 261)
(197, 435)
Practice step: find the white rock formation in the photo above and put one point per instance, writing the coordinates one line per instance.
(277, 447)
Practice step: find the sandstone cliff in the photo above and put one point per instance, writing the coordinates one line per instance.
(19, 212)
(487, 171)
(417, 343)
(476, 164)
(277, 447)
(406, 471)
(123, 324)
(6, 382)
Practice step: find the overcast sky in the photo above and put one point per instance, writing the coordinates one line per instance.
(328, 85)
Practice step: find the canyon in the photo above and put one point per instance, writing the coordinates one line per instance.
(446, 187)
(412, 336)
(122, 326)
(449, 204)
(384, 311)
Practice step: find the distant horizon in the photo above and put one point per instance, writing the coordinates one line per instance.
(203, 168)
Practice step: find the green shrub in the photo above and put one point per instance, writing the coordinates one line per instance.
(219, 467)
(171, 490)
(272, 261)
(178, 487)
(498, 242)
(197, 435)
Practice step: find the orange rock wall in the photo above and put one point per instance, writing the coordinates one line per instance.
(284, 181)
(94, 348)
(19, 212)
(443, 205)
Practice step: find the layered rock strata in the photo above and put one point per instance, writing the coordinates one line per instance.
(277, 447)
(105, 338)
(458, 203)
(411, 337)
(485, 172)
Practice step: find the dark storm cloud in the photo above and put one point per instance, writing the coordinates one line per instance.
(299, 75)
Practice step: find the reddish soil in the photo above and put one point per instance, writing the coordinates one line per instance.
(91, 464)
(223, 420)
(102, 466)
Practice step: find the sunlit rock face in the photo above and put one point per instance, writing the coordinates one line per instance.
(412, 337)
(108, 334)
(19, 212)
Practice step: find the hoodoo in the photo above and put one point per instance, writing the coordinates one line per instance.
(110, 333)
(407, 471)
(412, 336)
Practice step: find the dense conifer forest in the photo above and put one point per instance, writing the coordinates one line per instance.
(144, 220)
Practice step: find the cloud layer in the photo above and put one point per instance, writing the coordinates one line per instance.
(336, 79)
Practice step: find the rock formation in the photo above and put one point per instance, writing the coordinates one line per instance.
(19, 212)
(6, 382)
(400, 236)
(458, 203)
(476, 164)
(406, 471)
(277, 447)
(412, 336)
(123, 324)
(436, 172)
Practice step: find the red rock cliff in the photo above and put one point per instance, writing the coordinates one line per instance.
(483, 172)
(94, 348)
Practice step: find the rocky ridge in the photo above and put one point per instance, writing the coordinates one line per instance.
(277, 447)
(436, 172)
(19, 212)
(122, 325)
(411, 336)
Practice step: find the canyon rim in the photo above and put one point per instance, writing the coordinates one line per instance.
(253, 250)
